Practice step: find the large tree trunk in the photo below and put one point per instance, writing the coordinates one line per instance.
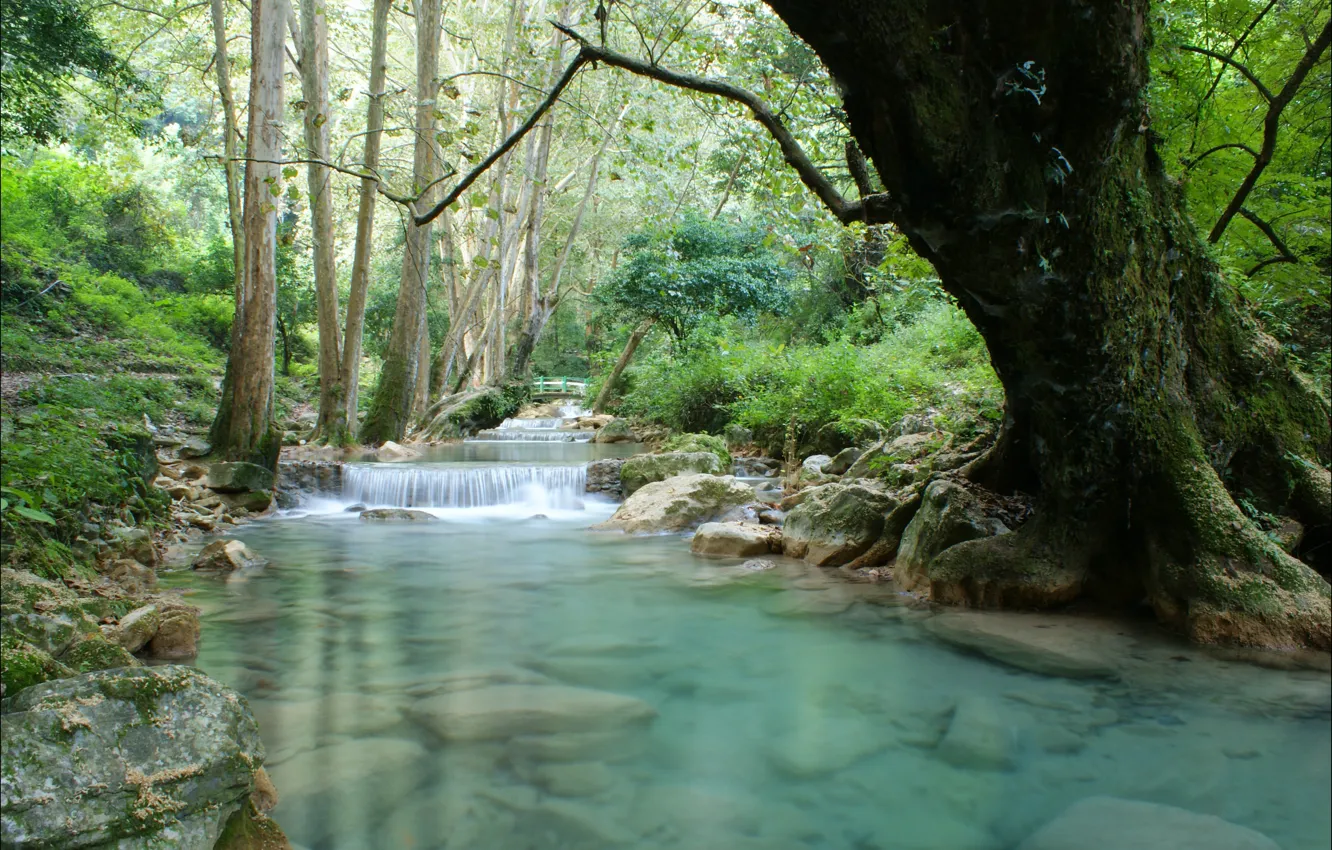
(243, 429)
(608, 388)
(365, 216)
(1013, 141)
(332, 425)
(395, 395)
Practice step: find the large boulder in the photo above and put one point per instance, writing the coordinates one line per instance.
(227, 556)
(949, 514)
(134, 758)
(1110, 823)
(896, 461)
(603, 476)
(135, 629)
(836, 522)
(678, 504)
(737, 436)
(645, 469)
(842, 461)
(239, 477)
(500, 712)
(735, 540)
(177, 634)
(616, 431)
(700, 443)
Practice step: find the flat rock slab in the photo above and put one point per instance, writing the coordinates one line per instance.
(1049, 644)
(1111, 823)
(979, 738)
(507, 711)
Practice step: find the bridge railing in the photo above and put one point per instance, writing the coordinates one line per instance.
(543, 384)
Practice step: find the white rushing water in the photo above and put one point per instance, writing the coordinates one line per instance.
(410, 486)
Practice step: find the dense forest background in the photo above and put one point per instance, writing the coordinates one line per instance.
(634, 215)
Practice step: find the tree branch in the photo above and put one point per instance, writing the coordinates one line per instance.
(1271, 125)
(1284, 255)
(1189, 164)
(1228, 60)
(795, 156)
(404, 200)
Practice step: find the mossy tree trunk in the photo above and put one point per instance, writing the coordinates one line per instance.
(396, 393)
(1015, 145)
(243, 429)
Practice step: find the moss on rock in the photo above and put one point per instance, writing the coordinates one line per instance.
(700, 443)
(645, 469)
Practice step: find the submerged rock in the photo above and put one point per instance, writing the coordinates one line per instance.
(144, 757)
(735, 540)
(1110, 823)
(645, 469)
(1048, 644)
(835, 523)
(507, 711)
(678, 504)
(226, 556)
(978, 737)
(396, 515)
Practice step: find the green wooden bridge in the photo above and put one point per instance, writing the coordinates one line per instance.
(562, 387)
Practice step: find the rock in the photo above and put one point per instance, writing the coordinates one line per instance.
(825, 747)
(814, 464)
(678, 504)
(1110, 823)
(758, 565)
(757, 467)
(239, 477)
(265, 794)
(737, 436)
(835, 523)
(254, 501)
(1048, 644)
(302, 725)
(915, 423)
(393, 451)
(194, 471)
(136, 628)
(226, 556)
(616, 431)
(134, 577)
(615, 745)
(354, 509)
(879, 458)
(507, 711)
(250, 829)
(396, 515)
(195, 447)
(978, 738)
(772, 516)
(185, 492)
(645, 469)
(836, 436)
(700, 443)
(841, 462)
(809, 603)
(178, 632)
(603, 476)
(23, 665)
(147, 757)
(735, 540)
(576, 779)
(135, 543)
(97, 653)
(383, 770)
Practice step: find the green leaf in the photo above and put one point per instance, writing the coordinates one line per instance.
(36, 516)
(289, 172)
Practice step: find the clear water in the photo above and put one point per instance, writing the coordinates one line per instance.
(792, 710)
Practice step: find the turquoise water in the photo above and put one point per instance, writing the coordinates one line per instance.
(718, 707)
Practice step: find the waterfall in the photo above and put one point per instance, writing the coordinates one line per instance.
(533, 435)
(530, 424)
(406, 486)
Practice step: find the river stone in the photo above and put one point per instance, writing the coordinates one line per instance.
(134, 577)
(735, 540)
(177, 633)
(146, 757)
(814, 464)
(299, 726)
(879, 458)
(645, 469)
(678, 504)
(573, 779)
(978, 738)
(226, 556)
(396, 515)
(842, 461)
(835, 523)
(949, 514)
(393, 451)
(506, 711)
(195, 447)
(136, 544)
(1111, 823)
(254, 501)
(603, 476)
(238, 477)
(97, 653)
(825, 747)
(616, 431)
(1048, 644)
(616, 745)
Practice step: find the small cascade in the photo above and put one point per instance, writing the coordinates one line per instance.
(405, 486)
(531, 424)
(534, 435)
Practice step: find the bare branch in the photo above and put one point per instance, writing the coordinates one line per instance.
(374, 177)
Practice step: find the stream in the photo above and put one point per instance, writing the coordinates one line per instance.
(505, 678)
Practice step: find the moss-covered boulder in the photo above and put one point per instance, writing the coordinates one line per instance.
(97, 653)
(836, 522)
(899, 461)
(23, 665)
(700, 443)
(678, 504)
(135, 629)
(239, 477)
(640, 470)
(43, 613)
(949, 514)
(616, 431)
(131, 758)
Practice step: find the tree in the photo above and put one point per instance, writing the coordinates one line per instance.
(1142, 397)
(396, 392)
(230, 162)
(46, 45)
(243, 429)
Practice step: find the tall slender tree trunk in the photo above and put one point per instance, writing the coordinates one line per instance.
(396, 393)
(1013, 140)
(332, 423)
(243, 429)
(608, 388)
(365, 216)
(230, 163)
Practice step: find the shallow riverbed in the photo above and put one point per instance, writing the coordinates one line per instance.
(716, 707)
